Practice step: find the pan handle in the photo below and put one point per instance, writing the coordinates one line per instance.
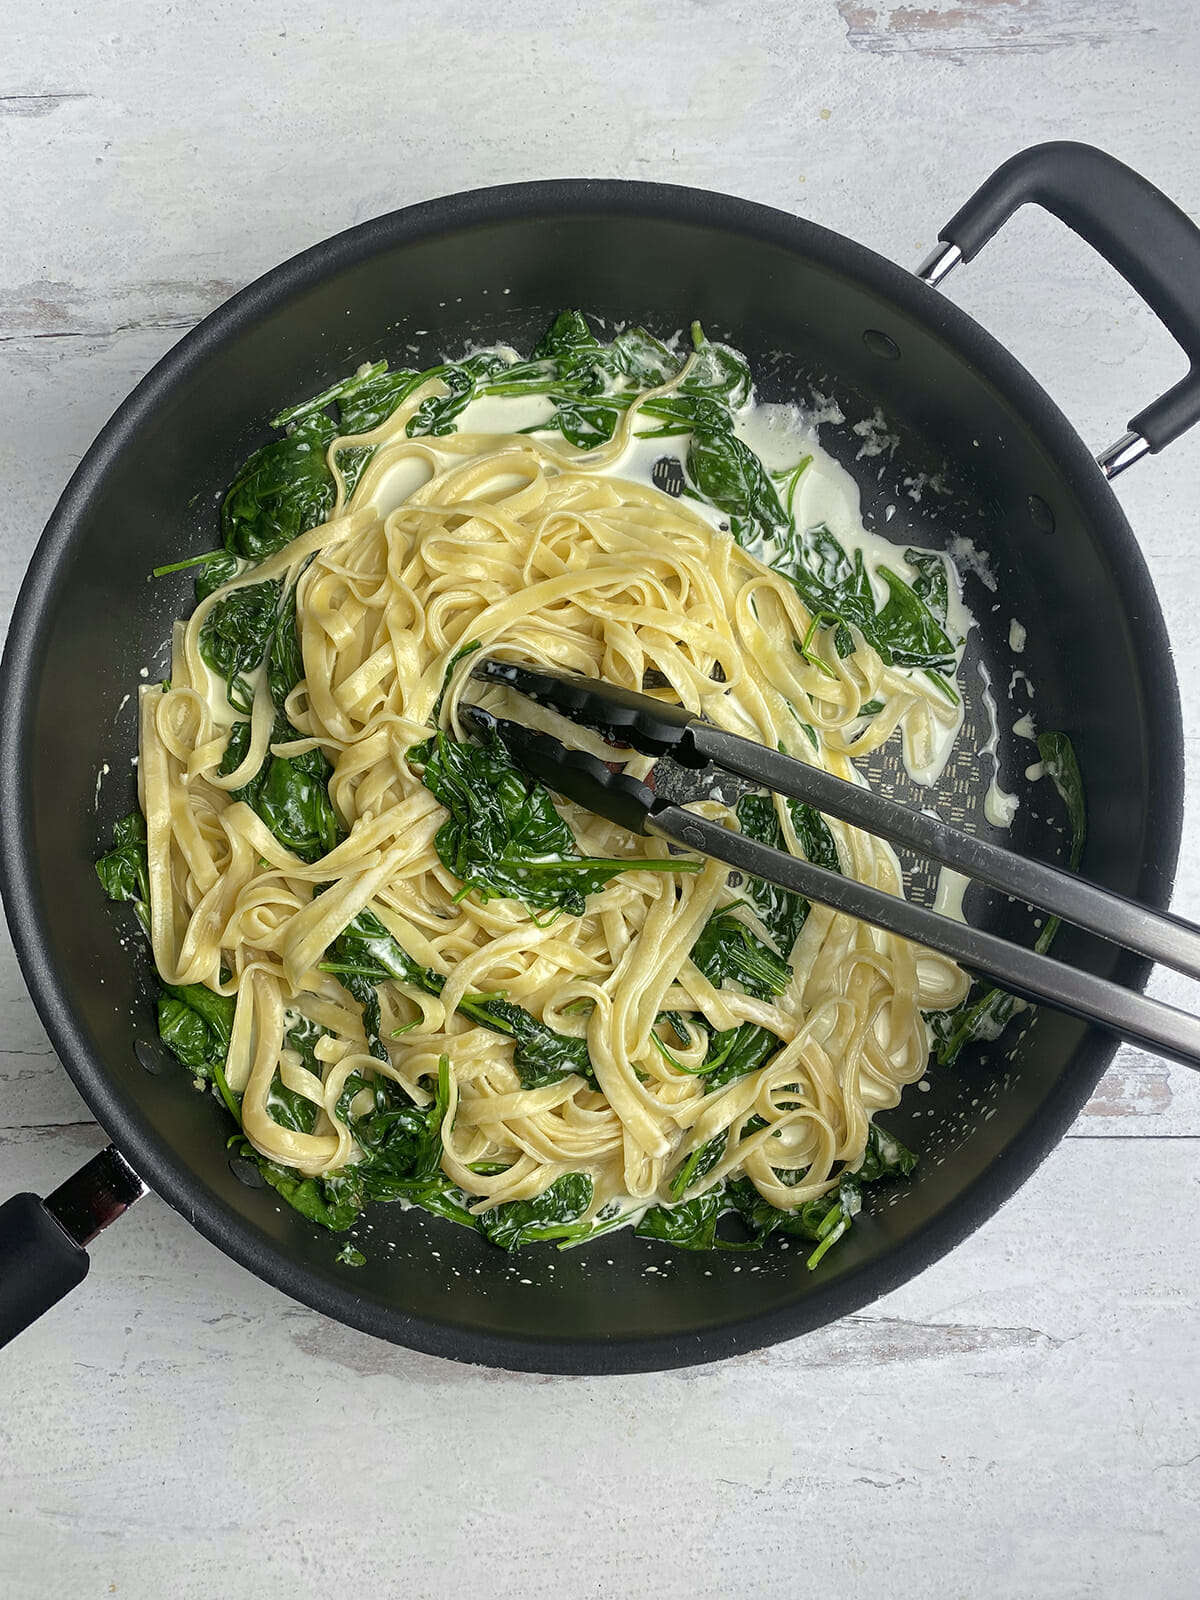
(42, 1242)
(1152, 243)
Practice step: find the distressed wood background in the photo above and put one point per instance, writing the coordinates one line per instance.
(1021, 1420)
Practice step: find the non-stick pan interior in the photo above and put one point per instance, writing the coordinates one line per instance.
(960, 464)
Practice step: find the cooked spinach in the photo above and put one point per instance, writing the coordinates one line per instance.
(1062, 768)
(504, 838)
(719, 373)
(909, 630)
(236, 635)
(214, 568)
(699, 1163)
(334, 1202)
(728, 474)
(288, 1107)
(402, 1150)
(221, 569)
(285, 661)
(827, 1218)
(125, 870)
(782, 912)
(282, 491)
(884, 1157)
(987, 1010)
(365, 954)
(556, 1213)
(569, 342)
(362, 406)
(289, 793)
(643, 359)
(435, 716)
(690, 1226)
(196, 1024)
(726, 951)
(823, 1220)
(733, 1053)
(541, 1056)
(588, 423)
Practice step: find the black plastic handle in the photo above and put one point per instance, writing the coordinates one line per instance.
(42, 1254)
(39, 1263)
(1152, 243)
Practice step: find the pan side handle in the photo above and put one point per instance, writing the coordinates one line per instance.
(43, 1254)
(1152, 243)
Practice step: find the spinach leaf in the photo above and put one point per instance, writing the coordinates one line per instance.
(334, 1202)
(700, 1163)
(504, 839)
(438, 414)
(556, 1213)
(341, 391)
(402, 1144)
(907, 624)
(289, 793)
(282, 491)
(1062, 767)
(236, 635)
(435, 716)
(726, 951)
(367, 947)
(125, 870)
(728, 474)
(932, 583)
(783, 912)
(574, 349)
(720, 373)
(691, 1226)
(364, 401)
(884, 1157)
(641, 358)
(827, 1218)
(363, 407)
(285, 662)
(542, 1056)
(366, 954)
(196, 1025)
(587, 423)
(736, 1052)
(220, 569)
(910, 629)
(987, 1010)
(289, 1109)
(362, 989)
(823, 1220)
(286, 1106)
(982, 1017)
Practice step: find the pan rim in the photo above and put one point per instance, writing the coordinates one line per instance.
(121, 1119)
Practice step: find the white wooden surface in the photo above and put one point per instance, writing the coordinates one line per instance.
(1022, 1420)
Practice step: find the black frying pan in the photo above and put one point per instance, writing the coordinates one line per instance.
(991, 459)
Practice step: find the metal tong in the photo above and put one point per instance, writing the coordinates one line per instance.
(657, 728)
